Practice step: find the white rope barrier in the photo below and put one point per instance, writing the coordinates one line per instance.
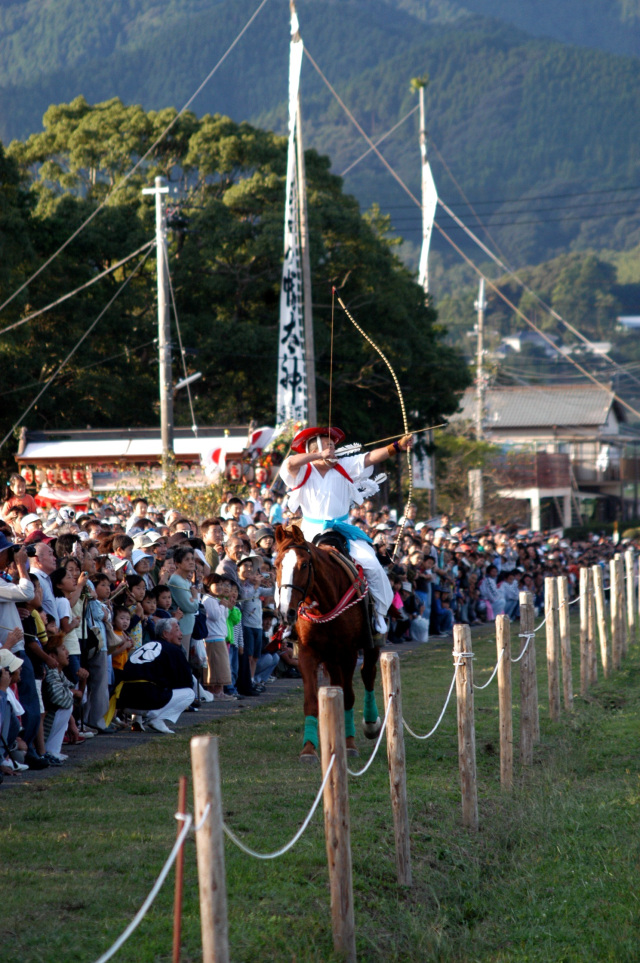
(377, 745)
(292, 842)
(528, 636)
(142, 912)
(444, 708)
(493, 674)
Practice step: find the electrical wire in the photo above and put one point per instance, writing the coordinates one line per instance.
(379, 141)
(138, 163)
(86, 334)
(83, 287)
(467, 230)
(94, 364)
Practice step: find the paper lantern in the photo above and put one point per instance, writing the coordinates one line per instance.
(65, 476)
(79, 479)
(41, 477)
(27, 474)
(234, 471)
(51, 474)
(261, 475)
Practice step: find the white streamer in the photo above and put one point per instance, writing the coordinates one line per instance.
(289, 845)
(377, 745)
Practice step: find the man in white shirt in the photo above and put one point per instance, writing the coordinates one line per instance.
(44, 563)
(325, 487)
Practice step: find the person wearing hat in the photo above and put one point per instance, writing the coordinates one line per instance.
(264, 540)
(325, 488)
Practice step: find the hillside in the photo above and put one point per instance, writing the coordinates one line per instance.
(514, 117)
(612, 25)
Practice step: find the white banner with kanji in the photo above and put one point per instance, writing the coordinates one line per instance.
(291, 401)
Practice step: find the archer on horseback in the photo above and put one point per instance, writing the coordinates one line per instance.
(324, 487)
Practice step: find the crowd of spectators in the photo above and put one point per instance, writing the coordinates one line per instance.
(125, 615)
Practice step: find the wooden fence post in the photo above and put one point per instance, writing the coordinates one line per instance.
(336, 820)
(614, 608)
(390, 668)
(601, 615)
(622, 607)
(503, 652)
(210, 850)
(466, 725)
(529, 717)
(553, 646)
(565, 641)
(631, 608)
(585, 590)
(591, 630)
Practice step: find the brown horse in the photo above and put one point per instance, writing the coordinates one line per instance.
(311, 582)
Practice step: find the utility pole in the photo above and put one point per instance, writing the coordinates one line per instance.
(164, 329)
(480, 306)
(309, 349)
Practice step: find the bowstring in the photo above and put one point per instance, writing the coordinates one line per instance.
(405, 421)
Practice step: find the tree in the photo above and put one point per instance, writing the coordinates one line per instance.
(225, 259)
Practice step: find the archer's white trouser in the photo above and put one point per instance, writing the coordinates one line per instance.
(380, 586)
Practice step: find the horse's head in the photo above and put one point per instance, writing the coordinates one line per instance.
(294, 571)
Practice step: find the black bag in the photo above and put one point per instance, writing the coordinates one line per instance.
(200, 624)
(90, 637)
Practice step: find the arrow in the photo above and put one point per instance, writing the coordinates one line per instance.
(379, 441)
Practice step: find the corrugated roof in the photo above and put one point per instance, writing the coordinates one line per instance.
(540, 407)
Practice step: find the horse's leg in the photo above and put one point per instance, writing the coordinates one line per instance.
(348, 668)
(308, 666)
(371, 723)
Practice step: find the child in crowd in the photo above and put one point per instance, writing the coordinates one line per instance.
(218, 671)
(120, 653)
(234, 637)
(149, 607)
(251, 591)
(136, 591)
(58, 693)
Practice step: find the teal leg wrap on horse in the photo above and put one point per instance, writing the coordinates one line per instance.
(370, 713)
(349, 724)
(310, 731)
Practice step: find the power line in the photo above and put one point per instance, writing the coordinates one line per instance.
(138, 163)
(75, 348)
(83, 287)
(85, 367)
(379, 141)
(465, 258)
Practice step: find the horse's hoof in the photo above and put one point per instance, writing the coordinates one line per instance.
(372, 729)
(310, 758)
(352, 751)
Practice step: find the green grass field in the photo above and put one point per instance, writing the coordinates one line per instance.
(552, 874)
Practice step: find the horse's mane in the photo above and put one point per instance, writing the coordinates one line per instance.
(288, 536)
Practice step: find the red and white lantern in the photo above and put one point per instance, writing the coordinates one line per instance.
(27, 474)
(41, 477)
(51, 474)
(65, 476)
(261, 475)
(79, 479)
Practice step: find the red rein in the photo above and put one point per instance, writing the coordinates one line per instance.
(352, 596)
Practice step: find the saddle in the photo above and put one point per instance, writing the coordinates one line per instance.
(333, 539)
(336, 547)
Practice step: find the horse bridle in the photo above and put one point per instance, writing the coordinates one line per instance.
(296, 588)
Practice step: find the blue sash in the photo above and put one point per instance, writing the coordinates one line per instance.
(351, 532)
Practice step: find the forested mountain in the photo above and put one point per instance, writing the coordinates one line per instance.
(612, 25)
(528, 126)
